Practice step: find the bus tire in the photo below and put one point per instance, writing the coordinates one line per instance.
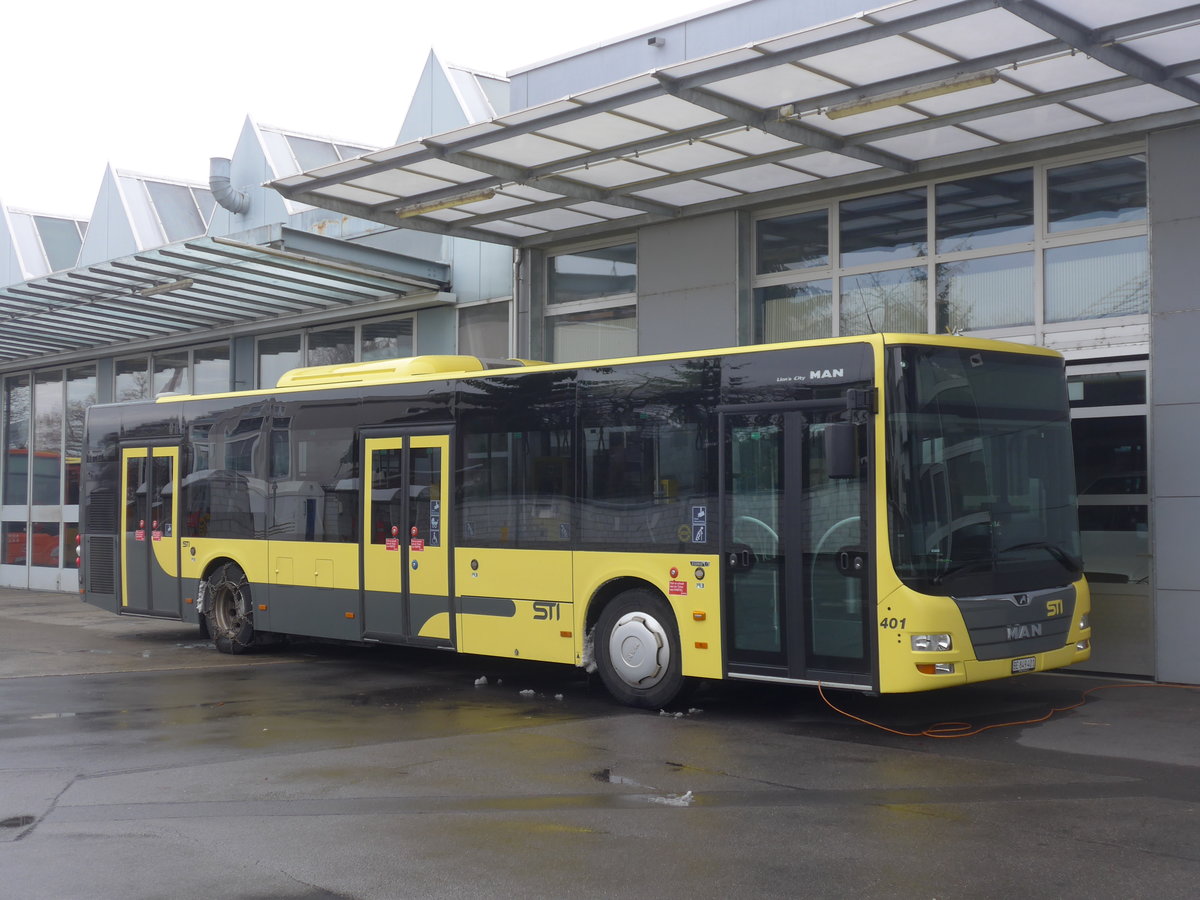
(637, 650)
(229, 610)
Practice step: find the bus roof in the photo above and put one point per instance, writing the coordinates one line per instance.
(454, 367)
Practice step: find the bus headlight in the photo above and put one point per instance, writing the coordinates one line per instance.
(925, 643)
(1085, 622)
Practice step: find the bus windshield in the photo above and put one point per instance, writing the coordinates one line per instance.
(981, 489)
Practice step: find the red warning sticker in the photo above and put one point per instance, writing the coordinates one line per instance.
(678, 588)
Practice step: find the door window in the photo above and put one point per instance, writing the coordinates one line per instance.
(754, 552)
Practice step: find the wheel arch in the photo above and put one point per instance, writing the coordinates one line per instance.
(215, 563)
(612, 589)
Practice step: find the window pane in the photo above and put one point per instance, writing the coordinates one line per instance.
(1091, 281)
(1115, 542)
(884, 228)
(47, 437)
(15, 543)
(648, 463)
(132, 379)
(176, 208)
(16, 437)
(327, 348)
(792, 242)
(387, 340)
(81, 394)
(275, 356)
(312, 154)
(885, 301)
(70, 537)
(210, 367)
(171, 374)
(29, 245)
(1110, 455)
(988, 211)
(517, 466)
(1107, 192)
(1107, 389)
(483, 331)
(46, 550)
(795, 312)
(223, 494)
(599, 334)
(592, 274)
(424, 491)
(387, 493)
(312, 468)
(61, 240)
(992, 292)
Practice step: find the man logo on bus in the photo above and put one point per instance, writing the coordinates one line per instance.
(817, 374)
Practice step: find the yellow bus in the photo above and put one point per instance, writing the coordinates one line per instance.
(883, 513)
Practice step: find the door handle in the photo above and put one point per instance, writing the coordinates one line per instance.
(852, 563)
(741, 559)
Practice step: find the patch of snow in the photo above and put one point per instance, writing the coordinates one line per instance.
(674, 800)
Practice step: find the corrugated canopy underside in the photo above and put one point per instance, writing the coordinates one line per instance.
(192, 286)
(753, 125)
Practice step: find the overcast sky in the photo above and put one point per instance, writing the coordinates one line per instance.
(159, 86)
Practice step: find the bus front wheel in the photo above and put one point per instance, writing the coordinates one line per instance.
(637, 650)
(229, 610)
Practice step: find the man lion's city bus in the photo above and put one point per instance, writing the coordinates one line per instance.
(883, 513)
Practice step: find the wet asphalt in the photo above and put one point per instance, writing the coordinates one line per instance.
(137, 762)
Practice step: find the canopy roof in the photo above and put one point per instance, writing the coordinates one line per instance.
(917, 87)
(202, 284)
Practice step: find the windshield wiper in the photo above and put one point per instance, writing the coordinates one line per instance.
(967, 566)
(1061, 556)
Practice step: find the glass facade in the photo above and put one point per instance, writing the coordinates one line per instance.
(43, 418)
(483, 331)
(131, 380)
(392, 339)
(1108, 423)
(16, 439)
(210, 369)
(331, 346)
(593, 334)
(591, 304)
(277, 355)
(978, 254)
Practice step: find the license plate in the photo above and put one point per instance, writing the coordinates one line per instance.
(1024, 664)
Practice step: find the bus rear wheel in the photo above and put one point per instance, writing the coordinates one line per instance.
(637, 650)
(229, 610)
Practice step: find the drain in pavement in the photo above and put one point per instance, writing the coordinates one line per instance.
(16, 821)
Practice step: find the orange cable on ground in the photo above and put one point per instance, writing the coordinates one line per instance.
(964, 729)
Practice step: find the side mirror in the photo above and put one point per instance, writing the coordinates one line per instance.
(841, 450)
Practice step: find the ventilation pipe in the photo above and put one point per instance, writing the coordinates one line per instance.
(223, 193)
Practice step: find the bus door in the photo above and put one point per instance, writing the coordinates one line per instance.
(149, 536)
(405, 545)
(795, 539)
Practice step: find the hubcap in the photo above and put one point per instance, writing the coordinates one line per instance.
(227, 606)
(639, 650)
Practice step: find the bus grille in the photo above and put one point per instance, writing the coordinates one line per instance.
(102, 565)
(101, 512)
(1018, 624)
